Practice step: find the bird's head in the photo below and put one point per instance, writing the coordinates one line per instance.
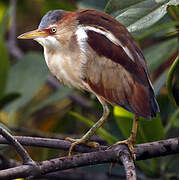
(49, 30)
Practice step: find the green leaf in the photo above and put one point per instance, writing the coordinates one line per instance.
(175, 118)
(59, 95)
(154, 58)
(151, 18)
(157, 28)
(94, 4)
(4, 66)
(151, 130)
(63, 4)
(131, 15)
(4, 58)
(102, 132)
(26, 77)
(174, 12)
(4, 23)
(116, 5)
(136, 14)
(8, 98)
(170, 77)
(173, 121)
(160, 82)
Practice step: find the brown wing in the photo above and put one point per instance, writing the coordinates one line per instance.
(100, 19)
(112, 82)
(113, 74)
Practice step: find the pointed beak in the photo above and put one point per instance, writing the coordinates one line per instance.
(33, 34)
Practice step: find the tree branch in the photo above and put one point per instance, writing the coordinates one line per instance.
(63, 163)
(127, 161)
(157, 148)
(51, 143)
(143, 151)
(66, 174)
(33, 167)
(17, 146)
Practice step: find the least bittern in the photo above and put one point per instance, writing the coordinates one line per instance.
(90, 50)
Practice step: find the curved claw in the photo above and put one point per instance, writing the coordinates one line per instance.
(80, 141)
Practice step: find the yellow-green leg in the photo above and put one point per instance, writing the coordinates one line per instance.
(131, 140)
(91, 132)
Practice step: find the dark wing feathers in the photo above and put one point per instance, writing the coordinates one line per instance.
(114, 75)
(115, 84)
(90, 17)
(104, 47)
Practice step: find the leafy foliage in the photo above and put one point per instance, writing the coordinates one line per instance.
(28, 100)
(22, 79)
(4, 67)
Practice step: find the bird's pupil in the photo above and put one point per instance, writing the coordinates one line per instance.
(53, 30)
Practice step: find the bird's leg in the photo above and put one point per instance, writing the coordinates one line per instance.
(90, 133)
(131, 140)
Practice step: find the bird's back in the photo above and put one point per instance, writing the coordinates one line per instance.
(91, 50)
(118, 72)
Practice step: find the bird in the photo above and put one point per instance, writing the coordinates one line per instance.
(91, 51)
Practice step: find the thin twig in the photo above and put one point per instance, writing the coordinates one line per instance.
(33, 167)
(18, 147)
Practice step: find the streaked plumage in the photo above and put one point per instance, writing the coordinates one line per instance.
(90, 50)
(117, 71)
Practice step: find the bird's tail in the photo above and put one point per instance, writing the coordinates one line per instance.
(154, 106)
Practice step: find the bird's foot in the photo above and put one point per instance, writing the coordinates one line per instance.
(129, 142)
(80, 141)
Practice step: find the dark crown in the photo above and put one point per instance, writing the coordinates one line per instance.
(51, 18)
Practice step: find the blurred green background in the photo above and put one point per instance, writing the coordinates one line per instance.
(33, 103)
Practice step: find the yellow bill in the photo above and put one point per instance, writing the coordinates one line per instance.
(33, 34)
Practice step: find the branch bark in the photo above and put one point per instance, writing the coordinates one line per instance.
(143, 151)
(51, 143)
(63, 163)
(33, 167)
(66, 174)
(96, 156)
(17, 146)
(127, 161)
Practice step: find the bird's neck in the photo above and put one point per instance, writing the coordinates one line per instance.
(66, 65)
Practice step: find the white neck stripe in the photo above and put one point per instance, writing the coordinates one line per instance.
(81, 35)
